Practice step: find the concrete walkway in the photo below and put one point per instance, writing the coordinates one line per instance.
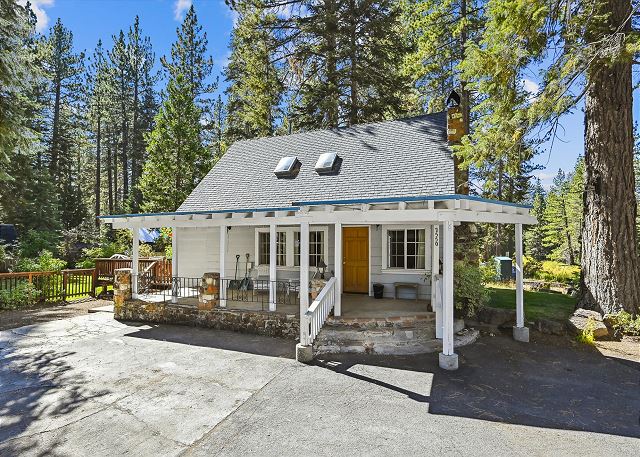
(92, 386)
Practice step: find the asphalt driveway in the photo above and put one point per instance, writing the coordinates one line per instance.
(89, 385)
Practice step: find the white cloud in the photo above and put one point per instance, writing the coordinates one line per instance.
(546, 179)
(531, 87)
(230, 13)
(180, 7)
(38, 9)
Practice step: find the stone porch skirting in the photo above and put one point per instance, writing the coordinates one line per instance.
(255, 322)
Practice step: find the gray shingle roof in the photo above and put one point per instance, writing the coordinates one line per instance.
(401, 158)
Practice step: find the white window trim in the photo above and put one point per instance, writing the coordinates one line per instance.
(385, 254)
(290, 235)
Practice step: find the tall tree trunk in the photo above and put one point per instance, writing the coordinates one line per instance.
(98, 163)
(125, 144)
(332, 64)
(110, 179)
(55, 133)
(135, 153)
(462, 178)
(610, 272)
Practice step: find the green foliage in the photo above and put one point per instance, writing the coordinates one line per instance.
(470, 293)
(534, 234)
(105, 250)
(23, 295)
(563, 215)
(31, 243)
(586, 335)
(623, 323)
(559, 272)
(177, 160)
(44, 262)
(531, 267)
(255, 88)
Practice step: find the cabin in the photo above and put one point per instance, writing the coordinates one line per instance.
(350, 226)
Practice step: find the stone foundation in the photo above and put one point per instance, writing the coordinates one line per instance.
(121, 285)
(256, 322)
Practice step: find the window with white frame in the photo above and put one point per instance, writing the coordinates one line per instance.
(288, 246)
(316, 248)
(406, 249)
(264, 248)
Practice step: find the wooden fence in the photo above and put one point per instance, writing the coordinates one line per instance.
(54, 286)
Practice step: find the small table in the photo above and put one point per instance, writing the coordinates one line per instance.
(411, 285)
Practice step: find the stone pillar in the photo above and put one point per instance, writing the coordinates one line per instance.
(209, 291)
(121, 286)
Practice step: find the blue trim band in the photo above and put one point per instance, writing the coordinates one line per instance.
(410, 199)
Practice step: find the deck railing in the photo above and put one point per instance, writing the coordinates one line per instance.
(166, 288)
(54, 286)
(313, 320)
(106, 267)
(238, 291)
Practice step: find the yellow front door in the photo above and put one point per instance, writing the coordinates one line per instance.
(355, 259)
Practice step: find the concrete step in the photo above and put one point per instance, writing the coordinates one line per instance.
(371, 337)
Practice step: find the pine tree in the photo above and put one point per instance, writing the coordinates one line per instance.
(352, 53)
(583, 51)
(534, 235)
(255, 89)
(141, 60)
(189, 58)
(172, 168)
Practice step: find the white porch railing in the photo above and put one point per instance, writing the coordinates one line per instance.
(313, 320)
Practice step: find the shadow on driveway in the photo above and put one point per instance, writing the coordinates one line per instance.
(34, 386)
(551, 384)
(218, 339)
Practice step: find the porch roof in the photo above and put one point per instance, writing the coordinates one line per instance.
(437, 208)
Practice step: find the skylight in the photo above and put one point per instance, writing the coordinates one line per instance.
(287, 166)
(326, 162)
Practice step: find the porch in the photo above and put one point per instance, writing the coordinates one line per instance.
(354, 306)
(352, 243)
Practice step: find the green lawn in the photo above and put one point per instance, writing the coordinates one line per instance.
(546, 305)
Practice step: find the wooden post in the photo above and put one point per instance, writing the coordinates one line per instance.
(94, 282)
(273, 236)
(337, 310)
(65, 283)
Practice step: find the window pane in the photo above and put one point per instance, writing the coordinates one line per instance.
(395, 240)
(296, 249)
(263, 248)
(416, 248)
(281, 249)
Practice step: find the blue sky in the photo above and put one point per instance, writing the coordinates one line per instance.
(90, 20)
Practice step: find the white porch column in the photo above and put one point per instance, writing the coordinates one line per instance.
(304, 350)
(273, 237)
(223, 260)
(135, 250)
(436, 302)
(448, 359)
(337, 310)
(174, 264)
(520, 332)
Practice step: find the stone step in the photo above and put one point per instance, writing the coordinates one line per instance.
(389, 339)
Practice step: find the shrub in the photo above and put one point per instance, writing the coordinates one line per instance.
(33, 242)
(469, 293)
(559, 272)
(24, 294)
(624, 323)
(488, 272)
(45, 262)
(531, 267)
(586, 335)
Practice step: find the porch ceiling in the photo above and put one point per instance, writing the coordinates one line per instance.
(430, 209)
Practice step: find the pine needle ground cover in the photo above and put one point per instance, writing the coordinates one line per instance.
(537, 305)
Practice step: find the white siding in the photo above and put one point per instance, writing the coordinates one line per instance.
(388, 278)
(198, 252)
